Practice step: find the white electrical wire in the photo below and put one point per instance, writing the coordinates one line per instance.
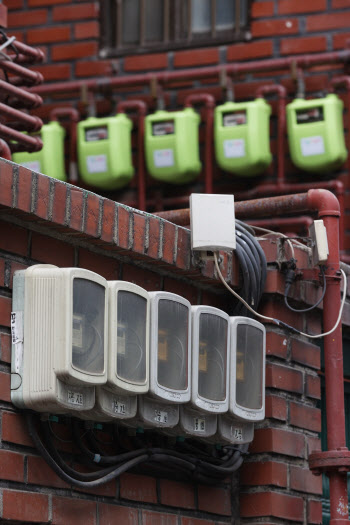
(277, 321)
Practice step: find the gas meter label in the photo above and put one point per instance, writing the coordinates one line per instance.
(234, 148)
(234, 119)
(32, 165)
(199, 424)
(163, 128)
(312, 146)
(75, 398)
(96, 163)
(94, 134)
(160, 416)
(163, 158)
(237, 433)
(119, 408)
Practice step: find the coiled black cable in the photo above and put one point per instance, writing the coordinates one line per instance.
(253, 268)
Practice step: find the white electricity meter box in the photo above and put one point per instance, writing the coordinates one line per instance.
(247, 381)
(59, 338)
(212, 222)
(170, 360)
(128, 352)
(210, 367)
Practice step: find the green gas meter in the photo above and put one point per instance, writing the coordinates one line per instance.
(104, 151)
(172, 145)
(316, 134)
(50, 159)
(241, 135)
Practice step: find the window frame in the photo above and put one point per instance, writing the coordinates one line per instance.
(174, 38)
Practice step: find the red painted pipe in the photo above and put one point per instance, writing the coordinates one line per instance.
(24, 142)
(25, 122)
(31, 100)
(283, 223)
(282, 95)
(209, 103)
(5, 151)
(35, 54)
(193, 74)
(141, 108)
(344, 81)
(74, 117)
(31, 77)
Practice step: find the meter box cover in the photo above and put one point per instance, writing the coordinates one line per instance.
(104, 151)
(59, 338)
(316, 133)
(241, 135)
(172, 145)
(50, 159)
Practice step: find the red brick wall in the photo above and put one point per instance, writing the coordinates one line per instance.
(43, 220)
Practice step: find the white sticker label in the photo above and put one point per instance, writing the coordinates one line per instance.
(96, 163)
(75, 398)
(32, 165)
(312, 146)
(237, 433)
(199, 424)
(119, 408)
(234, 148)
(160, 416)
(17, 327)
(77, 331)
(17, 333)
(163, 158)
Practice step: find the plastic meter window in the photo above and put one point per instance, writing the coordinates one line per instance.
(249, 367)
(212, 357)
(173, 321)
(88, 326)
(131, 337)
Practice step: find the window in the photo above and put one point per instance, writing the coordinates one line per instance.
(129, 26)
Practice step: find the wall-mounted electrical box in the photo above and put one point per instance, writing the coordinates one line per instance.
(128, 351)
(242, 137)
(210, 366)
(172, 145)
(248, 350)
(104, 151)
(316, 133)
(170, 360)
(50, 159)
(212, 222)
(59, 338)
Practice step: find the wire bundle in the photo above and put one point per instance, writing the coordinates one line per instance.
(199, 465)
(253, 268)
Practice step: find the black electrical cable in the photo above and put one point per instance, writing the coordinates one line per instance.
(97, 458)
(80, 476)
(253, 268)
(62, 474)
(303, 310)
(206, 471)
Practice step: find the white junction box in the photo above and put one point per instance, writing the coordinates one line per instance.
(212, 222)
(318, 234)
